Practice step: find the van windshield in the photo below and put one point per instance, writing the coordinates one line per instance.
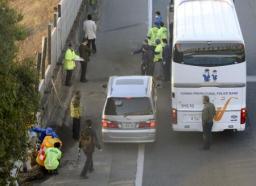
(128, 106)
(209, 54)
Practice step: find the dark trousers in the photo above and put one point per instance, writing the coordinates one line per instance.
(88, 164)
(143, 69)
(92, 45)
(83, 70)
(76, 128)
(151, 69)
(68, 77)
(207, 135)
(146, 69)
(167, 70)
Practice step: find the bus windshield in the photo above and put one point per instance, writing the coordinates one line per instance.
(209, 54)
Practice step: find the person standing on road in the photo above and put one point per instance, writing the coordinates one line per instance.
(166, 60)
(208, 114)
(90, 29)
(147, 57)
(152, 35)
(69, 63)
(158, 18)
(85, 52)
(162, 32)
(75, 114)
(158, 59)
(88, 141)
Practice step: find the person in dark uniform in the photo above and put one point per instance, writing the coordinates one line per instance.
(88, 140)
(85, 52)
(208, 114)
(166, 60)
(146, 58)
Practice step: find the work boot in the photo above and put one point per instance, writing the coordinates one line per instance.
(91, 170)
(84, 176)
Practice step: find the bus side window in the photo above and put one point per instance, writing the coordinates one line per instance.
(177, 56)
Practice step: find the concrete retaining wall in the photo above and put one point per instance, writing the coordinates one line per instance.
(56, 96)
(59, 34)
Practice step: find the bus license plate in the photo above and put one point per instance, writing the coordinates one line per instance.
(192, 118)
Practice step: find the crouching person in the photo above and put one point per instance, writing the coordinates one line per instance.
(52, 158)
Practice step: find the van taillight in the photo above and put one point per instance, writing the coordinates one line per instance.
(174, 116)
(243, 116)
(109, 124)
(148, 124)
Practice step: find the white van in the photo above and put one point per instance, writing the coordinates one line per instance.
(129, 113)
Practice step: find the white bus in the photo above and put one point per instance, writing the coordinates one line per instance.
(208, 59)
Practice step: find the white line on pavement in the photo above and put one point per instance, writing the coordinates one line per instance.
(140, 165)
(150, 9)
(251, 78)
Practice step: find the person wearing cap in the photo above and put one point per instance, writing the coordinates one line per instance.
(158, 59)
(52, 158)
(75, 113)
(152, 35)
(158, 18)
(87, 142)
(146, 57)
(85, 52)
(162, 32)
(69, 63)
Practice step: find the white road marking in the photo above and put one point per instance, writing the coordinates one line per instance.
(150, 10)
(251, 78)
(141, 147)
(140, 165)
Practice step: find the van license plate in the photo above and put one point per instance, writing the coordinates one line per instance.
(128, 125)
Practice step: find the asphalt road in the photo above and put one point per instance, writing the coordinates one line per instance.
(176, 159)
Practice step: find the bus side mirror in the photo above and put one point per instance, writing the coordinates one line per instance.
(171, 6)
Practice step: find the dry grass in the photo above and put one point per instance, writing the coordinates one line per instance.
(37, 14)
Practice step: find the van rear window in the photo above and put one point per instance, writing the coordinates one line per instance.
(128, 106)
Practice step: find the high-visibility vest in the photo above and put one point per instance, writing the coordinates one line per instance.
(47, 142)
(152, 34)
(158, 49)
(74, 110)
(162, 33)
(70, 56)
(53, 156)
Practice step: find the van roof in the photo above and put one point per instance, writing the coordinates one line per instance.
(129, 86)
(206, 20)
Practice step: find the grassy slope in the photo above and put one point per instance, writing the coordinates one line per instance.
(37, 14)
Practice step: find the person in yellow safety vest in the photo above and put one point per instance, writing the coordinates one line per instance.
(158, 59)
(152, 35)
(52, 158)
(69, 63)
(162, 32)
(75, 113)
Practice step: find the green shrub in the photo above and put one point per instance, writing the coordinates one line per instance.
(18, 94)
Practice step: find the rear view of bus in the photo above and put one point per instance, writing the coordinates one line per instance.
(208, 59)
